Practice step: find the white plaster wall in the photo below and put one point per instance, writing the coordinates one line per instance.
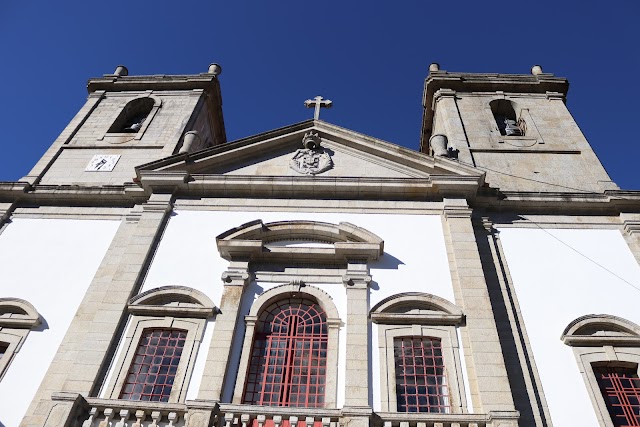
(554, 285)
(50, 263)
(415, 260)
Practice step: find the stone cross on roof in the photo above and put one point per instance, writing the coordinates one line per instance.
(318, 103)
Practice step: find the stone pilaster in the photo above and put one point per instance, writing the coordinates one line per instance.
(200, 413)
(67, 134)
(86, 349)
(356, 281)
(503, 419)
(5, 214)
(65, 406)
(525, 383)
(489, 384)
(7, 207)
(449, 122)
(213, 380)
(356, 416)
(631, 232)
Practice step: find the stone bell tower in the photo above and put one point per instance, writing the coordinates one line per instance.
(131, 120)
(515, 127)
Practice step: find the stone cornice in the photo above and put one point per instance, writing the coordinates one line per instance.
(155, 82)
(72, 195)
(304, 187)
(435, 187)
(610, 202)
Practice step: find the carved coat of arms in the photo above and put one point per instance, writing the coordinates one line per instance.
(312, 159)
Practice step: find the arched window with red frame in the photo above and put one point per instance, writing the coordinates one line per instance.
(288, 362)
(620, 388)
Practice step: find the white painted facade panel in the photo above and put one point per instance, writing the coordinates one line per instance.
(49, 263)
(415, 260)
(560, 275)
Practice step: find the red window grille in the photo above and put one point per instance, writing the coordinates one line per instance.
(288, 365)
(154, 365)
(421, 380)
(620, 388)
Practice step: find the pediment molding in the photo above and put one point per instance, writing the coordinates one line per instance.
(18, 313)
(341, 242)
(601, 329)
(419, 176)
(177, 301)
(416, 308)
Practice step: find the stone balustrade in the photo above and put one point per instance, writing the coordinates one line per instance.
(270, 416)
(492, 419)
(124, 413)
(127, 413)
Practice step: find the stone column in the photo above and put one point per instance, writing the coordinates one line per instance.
(489, 383)
(213, 380)
(357, 281)
(83, 355)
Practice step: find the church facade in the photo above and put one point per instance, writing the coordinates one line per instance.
(154, 274)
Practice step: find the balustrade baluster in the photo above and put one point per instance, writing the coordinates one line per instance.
(108, 414)
(124, 416)
(228, 419)
(244, 419)
(89, 421)
(173, 417)
(155, 417)
(140, 416)
(277, 420)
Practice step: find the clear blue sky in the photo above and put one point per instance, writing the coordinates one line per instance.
(370, 58)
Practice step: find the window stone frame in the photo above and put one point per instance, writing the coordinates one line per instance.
(440, 321)
(344, 243)
(17, 318)
(617, 346)
(117, 137)
(154, 310)
(532, 135)
(333, 330)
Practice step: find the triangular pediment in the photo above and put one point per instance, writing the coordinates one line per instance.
(346, 164)
(351, 155)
